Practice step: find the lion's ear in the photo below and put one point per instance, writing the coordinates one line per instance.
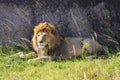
(53, 31)
(52, 28)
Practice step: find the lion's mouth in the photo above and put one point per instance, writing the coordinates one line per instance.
(41, 45)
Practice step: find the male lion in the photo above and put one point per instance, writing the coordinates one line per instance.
(47, 42)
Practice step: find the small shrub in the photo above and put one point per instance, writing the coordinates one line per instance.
(85, 46)
(1, 52)
(8, 50)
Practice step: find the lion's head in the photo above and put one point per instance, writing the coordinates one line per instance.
(45, 37)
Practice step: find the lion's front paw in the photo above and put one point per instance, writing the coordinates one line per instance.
(30, 60)
(44, 58)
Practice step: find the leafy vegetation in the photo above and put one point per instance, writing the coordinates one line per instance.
(15, 68)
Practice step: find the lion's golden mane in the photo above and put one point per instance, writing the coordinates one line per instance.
(53, 35)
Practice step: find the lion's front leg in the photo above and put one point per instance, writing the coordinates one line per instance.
(45, 58)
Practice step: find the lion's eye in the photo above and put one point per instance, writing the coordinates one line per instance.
(45, 35)
(38, 35)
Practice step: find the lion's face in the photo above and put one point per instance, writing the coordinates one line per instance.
(42, 39)
(45, 38)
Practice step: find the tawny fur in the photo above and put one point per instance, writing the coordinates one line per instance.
(63, 48)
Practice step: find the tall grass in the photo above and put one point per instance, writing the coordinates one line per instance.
(15, 68)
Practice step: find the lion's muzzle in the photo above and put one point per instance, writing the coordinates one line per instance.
(42, 44)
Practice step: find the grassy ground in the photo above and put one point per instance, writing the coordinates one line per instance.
(15, 68)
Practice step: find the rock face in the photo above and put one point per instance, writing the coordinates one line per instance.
(98, 19)
(15, 21)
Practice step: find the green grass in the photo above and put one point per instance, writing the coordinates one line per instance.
(15, 68)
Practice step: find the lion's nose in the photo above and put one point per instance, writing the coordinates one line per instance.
(41, 41)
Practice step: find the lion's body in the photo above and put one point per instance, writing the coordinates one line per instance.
(47, 42)
(74, 47)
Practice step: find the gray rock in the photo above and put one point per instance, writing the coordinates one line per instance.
(98, 19)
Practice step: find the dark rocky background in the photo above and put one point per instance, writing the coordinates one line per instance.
(73, 18)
